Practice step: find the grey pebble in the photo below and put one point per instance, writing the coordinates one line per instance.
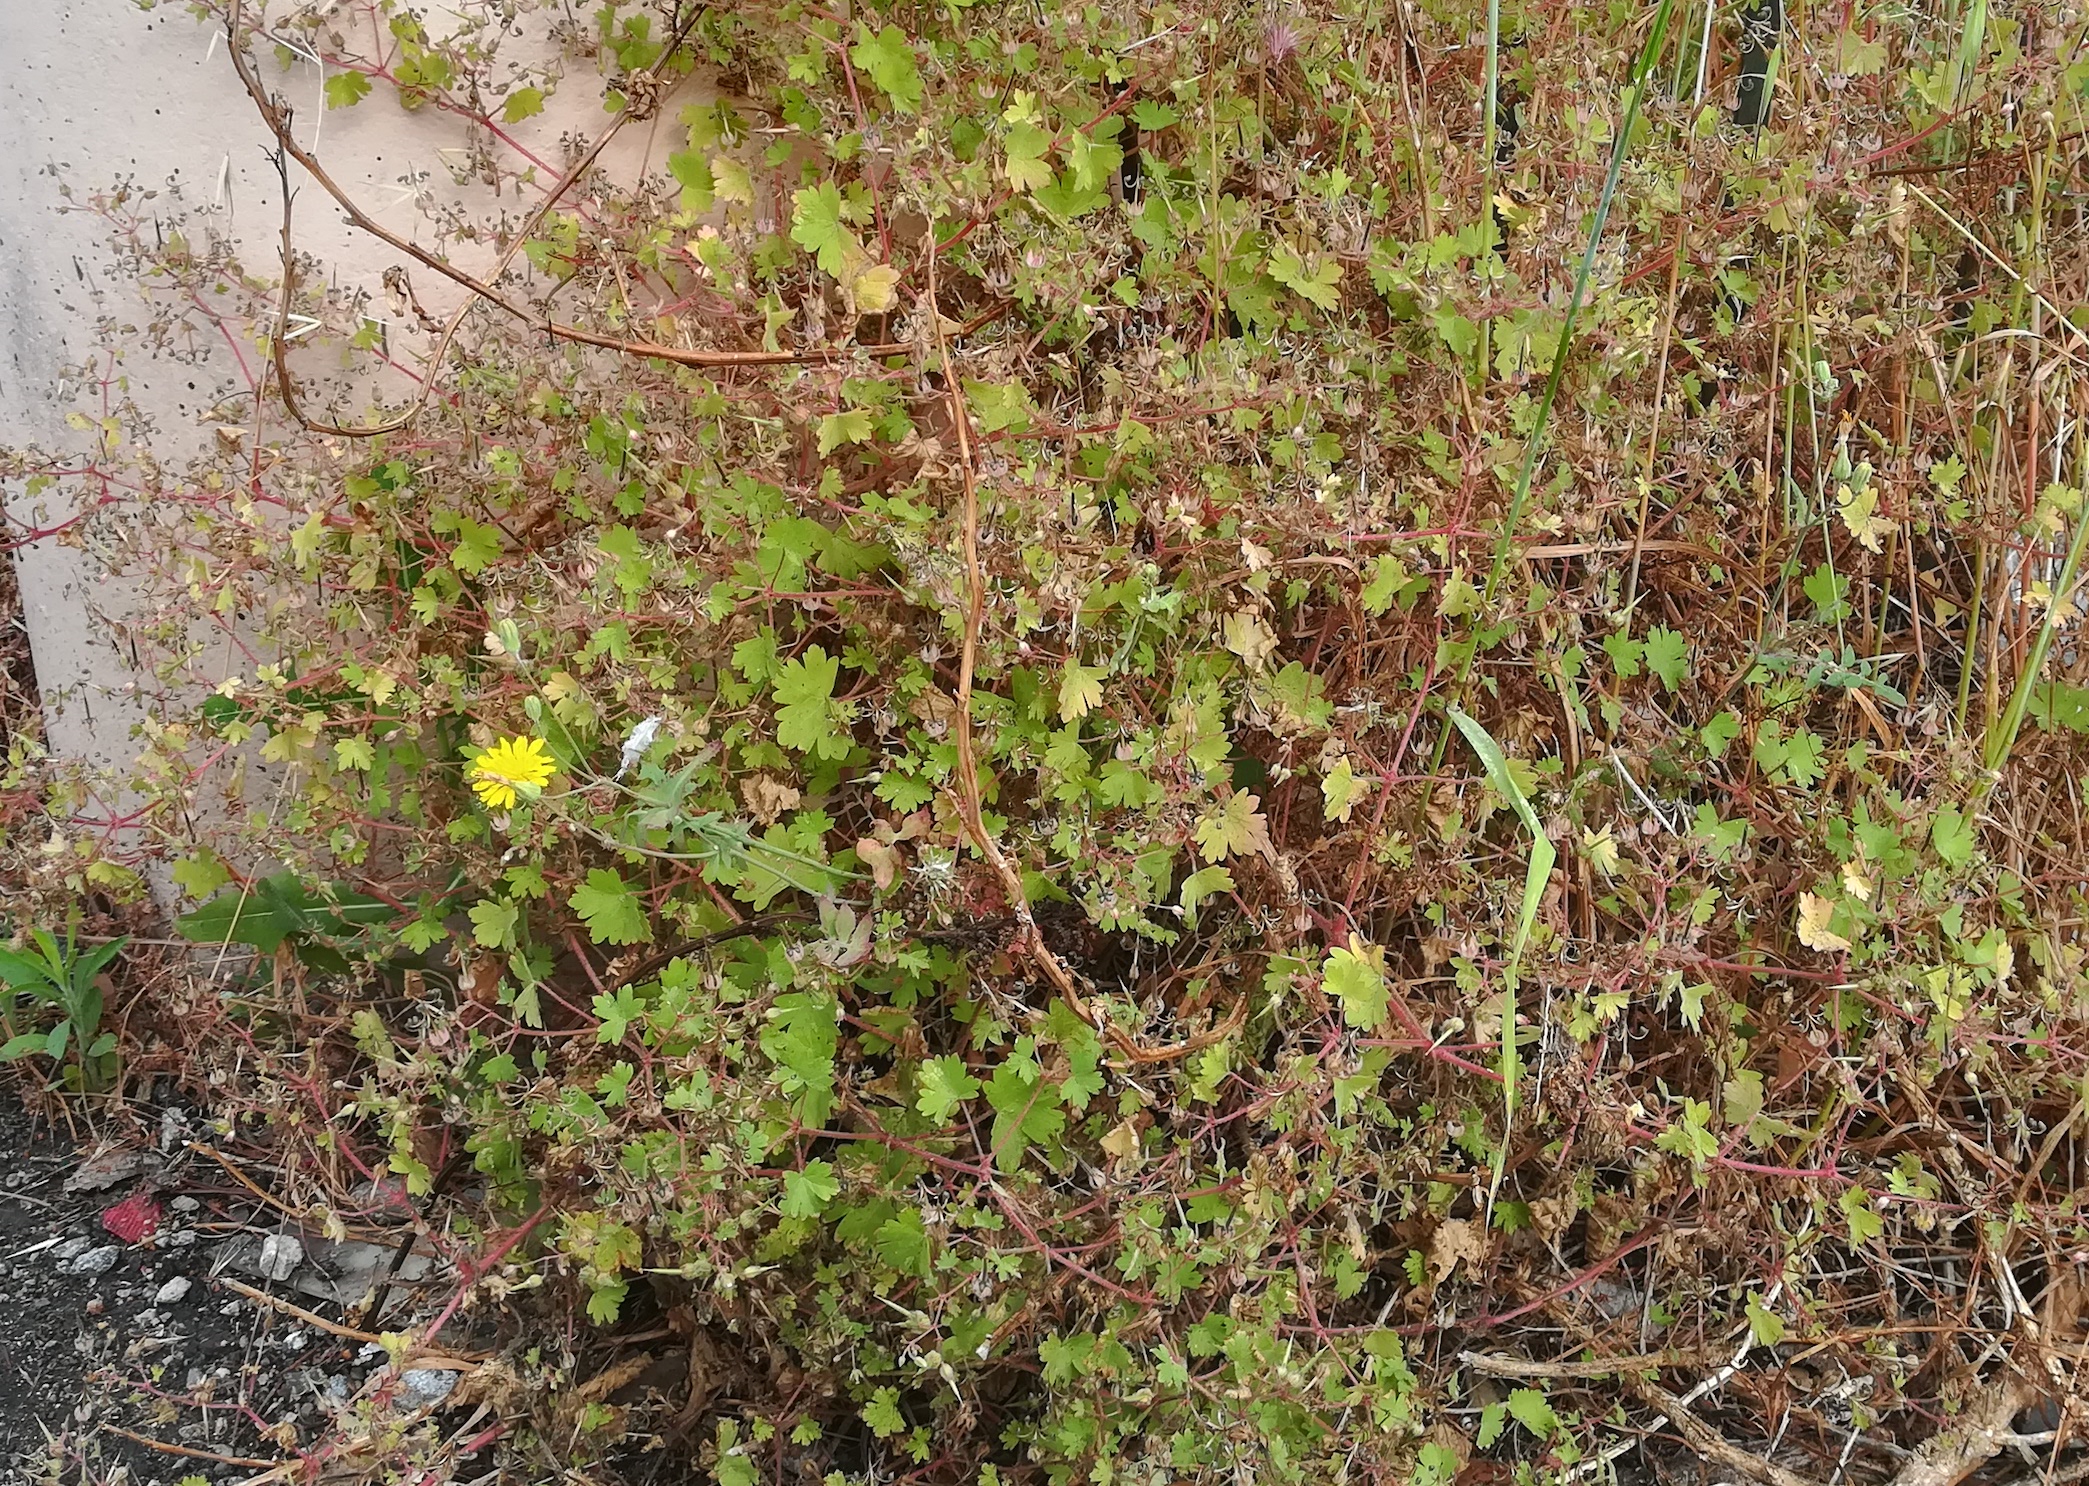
(172, 1292)
(281, 1253)
(70, 1250)
(423, 1387)
(98, 1261)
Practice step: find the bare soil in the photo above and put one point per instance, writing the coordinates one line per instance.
(103, 1380)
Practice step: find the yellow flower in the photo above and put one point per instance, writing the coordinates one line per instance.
(511, 767)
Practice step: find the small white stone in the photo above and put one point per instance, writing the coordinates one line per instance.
(173, 1291)
(281, 1253)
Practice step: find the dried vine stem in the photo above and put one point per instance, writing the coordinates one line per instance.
(970, 808)
(279, 125)
(278, 347)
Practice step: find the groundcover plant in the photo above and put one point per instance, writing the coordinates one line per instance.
(1144, 742)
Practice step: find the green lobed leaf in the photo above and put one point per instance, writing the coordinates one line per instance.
(611, 909)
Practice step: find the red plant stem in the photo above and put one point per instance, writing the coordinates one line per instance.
(474, 1271)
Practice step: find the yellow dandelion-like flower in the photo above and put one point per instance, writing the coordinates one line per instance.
(513, 767)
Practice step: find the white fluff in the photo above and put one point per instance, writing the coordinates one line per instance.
(635, 746)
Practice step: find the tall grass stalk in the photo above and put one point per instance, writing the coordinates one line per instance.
(1505, 544)
(1536, 874)
(1490, 146)
(2001, 739)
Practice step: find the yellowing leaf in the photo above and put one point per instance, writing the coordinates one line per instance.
(876, 289)
(378, 686)
(1601, 848)
(1203, 884)
(1859, 512)
(1080, 690)
(734, 183)
(1814, 916)
(288, 744)
(1355, 977)
(1122, 1143)
(1340, 789)
(1248, 637)
(1234, 829)
(1856, 881)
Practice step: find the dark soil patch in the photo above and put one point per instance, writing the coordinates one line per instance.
(104, 1341)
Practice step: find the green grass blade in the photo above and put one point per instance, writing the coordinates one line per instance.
(1535, 876)
(2003, 738)
(1542, 855)
(1505, 544)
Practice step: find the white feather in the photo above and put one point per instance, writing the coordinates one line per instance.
(635, 746)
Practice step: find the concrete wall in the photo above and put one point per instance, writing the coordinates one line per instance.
(100, 92)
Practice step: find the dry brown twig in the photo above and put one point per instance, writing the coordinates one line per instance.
(286, 384)
(1495, 1365)
(1978, 1433)
(1983, 1428)
(1703, 1438)
(1709, 1442)
(246, 1462)
(444, 1361)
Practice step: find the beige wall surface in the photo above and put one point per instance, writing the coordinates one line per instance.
(101, 92)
